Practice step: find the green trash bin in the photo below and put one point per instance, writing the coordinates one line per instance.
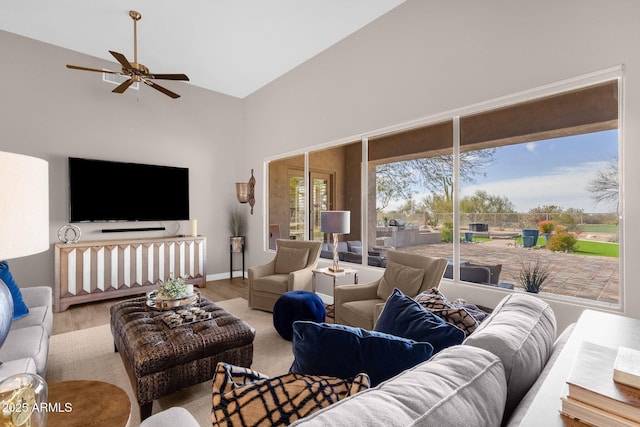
(468, 236)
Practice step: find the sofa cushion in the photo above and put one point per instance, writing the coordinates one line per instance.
(407, 279)
(434, 301)
(445, 391)
(355, 246)
(20, 309)
(19, 366)
(291, 259)
(174, 416)
(404, 317)
(523, 406)
(521, 332)
(39, 300)
(31, 342)
(343, 351)
(243, 397)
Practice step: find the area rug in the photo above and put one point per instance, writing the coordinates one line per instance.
(88, 354)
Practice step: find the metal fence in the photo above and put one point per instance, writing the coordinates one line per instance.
(505, 221)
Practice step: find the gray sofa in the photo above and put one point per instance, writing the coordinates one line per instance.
(489, 380)
(351, 251)
(26, 347)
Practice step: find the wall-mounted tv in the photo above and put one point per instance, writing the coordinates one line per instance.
(105, 191)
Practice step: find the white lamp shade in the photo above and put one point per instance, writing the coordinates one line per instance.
(335, 222)
(24, 214)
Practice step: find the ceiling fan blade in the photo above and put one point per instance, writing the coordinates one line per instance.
(168, 76)
(123, 86)
(161, 89)
(77, 67)
(121, 59)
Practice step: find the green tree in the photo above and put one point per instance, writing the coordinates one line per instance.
(483, 202)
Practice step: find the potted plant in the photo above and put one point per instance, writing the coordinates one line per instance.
(237, 231)
(174, 289)
(533, 275)
(545, 228)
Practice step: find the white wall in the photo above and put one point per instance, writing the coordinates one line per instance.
(51, 112)
(427, 57)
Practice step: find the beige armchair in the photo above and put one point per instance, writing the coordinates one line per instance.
(361, 305)
(290, 270)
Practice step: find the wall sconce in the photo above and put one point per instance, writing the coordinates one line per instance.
(245, 191)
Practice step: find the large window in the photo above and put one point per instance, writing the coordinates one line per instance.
(498, 191)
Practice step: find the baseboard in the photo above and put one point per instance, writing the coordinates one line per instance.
(222, 276)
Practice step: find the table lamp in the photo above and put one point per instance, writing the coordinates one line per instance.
(24, 230)
(335, 222)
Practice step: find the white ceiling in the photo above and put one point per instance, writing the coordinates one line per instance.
(229, 46)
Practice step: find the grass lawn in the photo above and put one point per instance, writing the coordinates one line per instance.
(599, 228)
(586, 247)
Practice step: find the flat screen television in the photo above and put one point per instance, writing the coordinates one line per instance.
(106, 191)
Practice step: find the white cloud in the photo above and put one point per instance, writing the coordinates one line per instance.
(531, 147)
(564, 187)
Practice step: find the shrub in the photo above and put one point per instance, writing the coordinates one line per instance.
(533, 275)
(562, 241)
(446, 234)
(545, 227)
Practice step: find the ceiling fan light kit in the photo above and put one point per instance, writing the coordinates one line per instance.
(135, 71)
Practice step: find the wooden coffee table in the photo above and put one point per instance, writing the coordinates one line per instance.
(87, 403)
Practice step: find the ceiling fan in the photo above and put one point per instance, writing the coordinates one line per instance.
(135, 71)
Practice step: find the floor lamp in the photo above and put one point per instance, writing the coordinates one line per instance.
(335, 222)
(24, 230)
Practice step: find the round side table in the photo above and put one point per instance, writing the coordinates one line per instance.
(87, 403)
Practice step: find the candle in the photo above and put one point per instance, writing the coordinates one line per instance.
(194, 227)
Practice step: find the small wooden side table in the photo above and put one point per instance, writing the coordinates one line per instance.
(87, 403)
(327, 272)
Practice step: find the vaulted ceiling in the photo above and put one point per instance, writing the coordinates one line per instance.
(230, 46)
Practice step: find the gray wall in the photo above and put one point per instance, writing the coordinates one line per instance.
(51, 112)
(428, 57)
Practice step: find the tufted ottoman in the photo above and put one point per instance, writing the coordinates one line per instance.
(161, 359)
(296, 305)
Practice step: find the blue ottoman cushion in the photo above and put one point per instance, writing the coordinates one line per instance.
(293, 306)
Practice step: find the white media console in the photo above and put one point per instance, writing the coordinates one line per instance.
(105, 269)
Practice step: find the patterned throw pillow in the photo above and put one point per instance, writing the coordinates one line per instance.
(438, 304)
(242, 397)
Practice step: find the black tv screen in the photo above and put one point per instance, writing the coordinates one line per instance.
(104, 191)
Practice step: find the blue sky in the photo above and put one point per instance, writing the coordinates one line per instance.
(550, 172)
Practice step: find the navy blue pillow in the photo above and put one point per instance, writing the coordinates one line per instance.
(343, 352)
(20, 309)
(404, 317)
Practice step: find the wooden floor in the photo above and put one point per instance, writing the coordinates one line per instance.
(88, 315)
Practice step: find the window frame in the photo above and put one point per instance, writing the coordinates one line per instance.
(555, 88)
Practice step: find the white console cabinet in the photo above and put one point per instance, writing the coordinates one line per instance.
(98, 270)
